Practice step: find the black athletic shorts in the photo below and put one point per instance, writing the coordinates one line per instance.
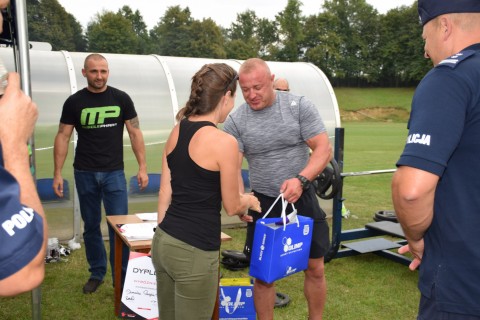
(307, 206)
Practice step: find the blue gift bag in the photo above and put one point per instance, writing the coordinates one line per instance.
(281, 246)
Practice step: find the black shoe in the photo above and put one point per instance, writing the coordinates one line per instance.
(91, 285)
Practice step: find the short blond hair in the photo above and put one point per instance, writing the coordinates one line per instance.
(254, 63)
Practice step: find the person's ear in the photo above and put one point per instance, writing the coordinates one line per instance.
(446, 26)
(227, 96)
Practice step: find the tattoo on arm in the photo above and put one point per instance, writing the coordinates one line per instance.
(135, 123)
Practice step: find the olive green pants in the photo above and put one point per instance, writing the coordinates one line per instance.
(187, 278)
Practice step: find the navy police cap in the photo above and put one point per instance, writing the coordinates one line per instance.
(430, 9)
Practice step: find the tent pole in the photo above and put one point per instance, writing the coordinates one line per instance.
(21, 44)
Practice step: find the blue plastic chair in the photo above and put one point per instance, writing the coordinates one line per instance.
(246, 179)
(46, 193)
(152, 188)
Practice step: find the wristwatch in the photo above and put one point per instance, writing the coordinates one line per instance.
(304, 181)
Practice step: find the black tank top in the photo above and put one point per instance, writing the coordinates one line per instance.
(194, 213)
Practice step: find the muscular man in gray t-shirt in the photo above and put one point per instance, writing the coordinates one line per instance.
(273, 139)
(275, 131)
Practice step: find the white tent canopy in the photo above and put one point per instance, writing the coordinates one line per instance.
(159, 86)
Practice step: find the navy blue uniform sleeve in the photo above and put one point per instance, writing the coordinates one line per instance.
(21, 228)
(436, 123)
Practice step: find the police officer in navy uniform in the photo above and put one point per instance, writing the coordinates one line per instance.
(437, 185)
(23, 228)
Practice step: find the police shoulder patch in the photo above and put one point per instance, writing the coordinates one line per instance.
(454, 60)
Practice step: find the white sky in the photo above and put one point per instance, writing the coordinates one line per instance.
(223, 12)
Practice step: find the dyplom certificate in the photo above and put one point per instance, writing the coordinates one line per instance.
(139, 297)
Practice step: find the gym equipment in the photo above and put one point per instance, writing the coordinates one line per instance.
(281, 300)
(234, 260)
(372, 231)
(329, 179)
(385, 215)
(236, 255)
(233, 264)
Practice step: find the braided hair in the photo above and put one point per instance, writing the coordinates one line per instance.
(209, 85)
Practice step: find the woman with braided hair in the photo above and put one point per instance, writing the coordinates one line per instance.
(199, 174)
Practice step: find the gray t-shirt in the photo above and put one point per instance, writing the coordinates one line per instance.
(273, 139)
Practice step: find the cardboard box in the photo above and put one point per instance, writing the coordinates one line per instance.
(236, 299)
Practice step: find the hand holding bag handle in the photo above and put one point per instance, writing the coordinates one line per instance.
(292, 217)
(269, 261)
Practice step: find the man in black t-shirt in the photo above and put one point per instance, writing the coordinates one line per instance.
(98, 113)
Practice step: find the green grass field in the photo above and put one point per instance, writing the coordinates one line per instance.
(350, 99)
(362, 287)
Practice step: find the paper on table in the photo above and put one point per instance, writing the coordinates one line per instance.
(149, 216)
(138, 231)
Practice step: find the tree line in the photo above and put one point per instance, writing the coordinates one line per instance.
(348, 40)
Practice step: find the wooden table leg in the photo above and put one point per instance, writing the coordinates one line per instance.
(118, 272)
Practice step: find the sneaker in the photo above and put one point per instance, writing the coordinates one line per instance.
(92, 285)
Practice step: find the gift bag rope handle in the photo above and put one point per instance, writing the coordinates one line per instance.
(284, 209)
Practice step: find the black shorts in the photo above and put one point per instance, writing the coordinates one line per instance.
(307, 206)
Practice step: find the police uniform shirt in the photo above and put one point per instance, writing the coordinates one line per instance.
(444, 139)
(21, 231)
